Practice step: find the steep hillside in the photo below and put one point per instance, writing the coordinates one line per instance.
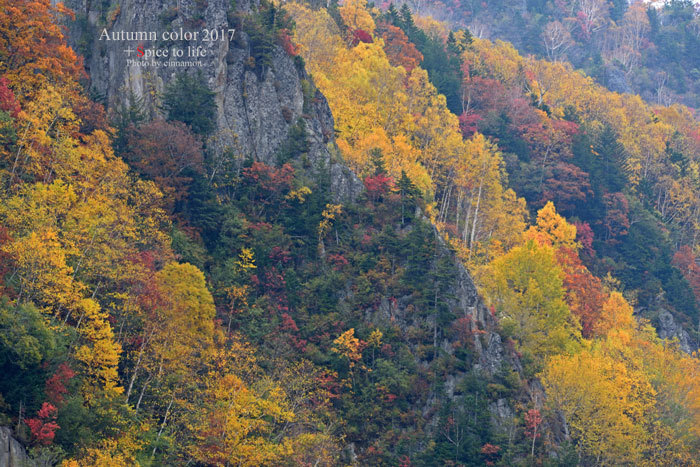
(293, 251)
(332, 325)
(562, 292)
(646, 48)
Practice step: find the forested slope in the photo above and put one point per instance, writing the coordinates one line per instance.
(616, 167)
(324, 318)
(269, 261)
(644, 47)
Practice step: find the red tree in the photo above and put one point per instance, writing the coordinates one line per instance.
(568, 186)
(268, 184)
(533, 419)
(44, 426)
(399, 50)
(584, 292)
(165, 152)
(584, 235)
(92, 116)
(616, 220)
(378, 185)
(287, 44)
(468, 124)
(490, 453)
(32, 47)
(8, 103)
(56, 384)
(360, 35)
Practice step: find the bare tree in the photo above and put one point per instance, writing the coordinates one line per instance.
(626, 40)
(557, 40)
(592, 14)
(663, 95)
(479, 29)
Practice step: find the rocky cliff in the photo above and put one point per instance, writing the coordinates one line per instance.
(12, 453)
(668, 328)
(256, 104)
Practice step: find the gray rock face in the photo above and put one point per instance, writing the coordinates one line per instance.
(668, 328)
(468, 303)
(492, 354)
(12, 454)
(255, 108)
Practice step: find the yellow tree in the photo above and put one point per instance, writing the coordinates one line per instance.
(603, 404)
(247, 416)
(310, 436)
(432, 27)
(176, 342)
(485, 212)
(327, 217)
(348, 346)
(675, 376)
(177, 328)
(378, 107)
(317, 34)
(553, 230)
(47, 114)
(356, 16)
(435, 130)
(187, 317)
(365, 92)
(525, 287)
(629, 397)
(616, 314)
(237, 424)
(100, 354)
(33, 51)
(119, 452)
(42, 273)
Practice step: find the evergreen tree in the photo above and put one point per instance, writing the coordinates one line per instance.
(409, 194)
(612, 156)
(129, 113)
(188, 99)
(393, 15)
(378, 161)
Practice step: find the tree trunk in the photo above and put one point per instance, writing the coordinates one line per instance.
(476, 218)
(162, 425)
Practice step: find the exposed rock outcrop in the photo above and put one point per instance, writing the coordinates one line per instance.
(615, 79)
(256, 106)
(668, 328)
(12, 453)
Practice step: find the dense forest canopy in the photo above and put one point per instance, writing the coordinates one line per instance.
(645, 47)
(167, 298)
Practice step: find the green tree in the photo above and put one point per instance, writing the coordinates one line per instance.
(128, 113)
(409, 194)
(188, 99)
(25, 343)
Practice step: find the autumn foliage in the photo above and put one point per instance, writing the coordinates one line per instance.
(166, 153)
(399, 50)
(44, 426)
(33, 52)
(482, 291)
